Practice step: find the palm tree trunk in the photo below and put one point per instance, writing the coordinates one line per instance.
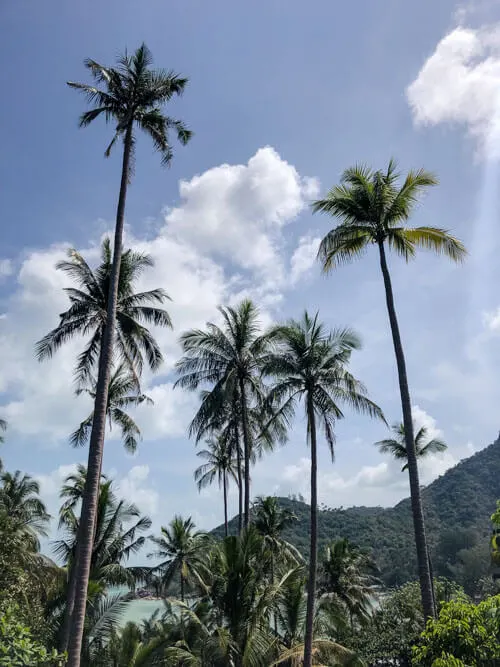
(182, 587)
(224, 484)
(416, 500)
(96, 446)
(313, 550)
(68, 612)
(246, 452)
(240, 482)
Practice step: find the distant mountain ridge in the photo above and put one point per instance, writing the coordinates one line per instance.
(457, 506)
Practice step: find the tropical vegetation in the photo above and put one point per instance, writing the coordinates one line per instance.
(283, 582)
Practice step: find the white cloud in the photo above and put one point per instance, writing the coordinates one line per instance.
(460, 83)
(237, 212)
(491, 320)
(134, 489)
(303, 257)
(229, 214)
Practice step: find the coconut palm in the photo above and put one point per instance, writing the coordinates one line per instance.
(87, 313)
(20, 502)
(309, 365)
(291, 611)
(124, 391)
(423, 445)
(374, 208)
(347, 573)
(87, 316)
(219, 464)
(130, 95)
(182, 551)
(227, 358)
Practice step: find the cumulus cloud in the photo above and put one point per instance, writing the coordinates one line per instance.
(460, 83)
(304, 257)
(134, 487)
(222, 242)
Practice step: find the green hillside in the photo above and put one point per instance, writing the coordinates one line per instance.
(457, 505)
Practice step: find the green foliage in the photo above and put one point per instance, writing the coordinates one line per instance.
(495, 517)
(17, 646)
(467, 632)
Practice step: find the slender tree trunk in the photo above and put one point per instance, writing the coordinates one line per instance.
(313, 550)
(182, 588)
(70, 603)
(240, 482)
(224, 483)
(96, 446)
(247, 446)
(416, 500)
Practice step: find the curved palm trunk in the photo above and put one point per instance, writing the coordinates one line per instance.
(68, 612)
(224, 483)
(96, 446)
(416, 500)
(313, 550)
(247, 446)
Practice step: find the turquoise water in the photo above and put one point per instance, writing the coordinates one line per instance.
(137, 610)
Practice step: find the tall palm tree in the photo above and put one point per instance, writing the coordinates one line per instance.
(123, 392)
(87, 316)
(129, 95)
(227, 358)
(3, 428)
(182, 551)
(218, 463)
(423, 445)
(374, 208)
(309, 365)
(21, 503)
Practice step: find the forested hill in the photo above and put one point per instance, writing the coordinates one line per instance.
(457, 505)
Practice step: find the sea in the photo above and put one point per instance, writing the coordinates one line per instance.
(137, 610)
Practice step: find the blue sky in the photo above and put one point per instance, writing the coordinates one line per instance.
(282, 97)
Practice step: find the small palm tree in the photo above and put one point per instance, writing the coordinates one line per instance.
(182, 551)
(228, 358)
(423, 446)
(218, 463)
(124, 392)
(21, 503)
(347, 573)
(373, 208)
(3, 428)
(131, 95)
(309, 365)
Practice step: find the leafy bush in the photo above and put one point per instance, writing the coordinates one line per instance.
(463, 631)
(17, 646)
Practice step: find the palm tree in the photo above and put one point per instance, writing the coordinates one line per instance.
(218, 463)
(131, 95)
(423, 446)
(3, 428)
(21, 503)
(347, 573)
(227, 358)
(123, 392)
(87, 313)
(309, 364)
(270, 520)
(182, 551)
(291, 610)
(374, 208)
(117, 537)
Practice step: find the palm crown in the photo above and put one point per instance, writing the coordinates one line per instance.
(123, 392)
(20, 500)
(423, 446)
(87, 313)
(133, 93)
(308, 360)
(219, 463)
(373, 207)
